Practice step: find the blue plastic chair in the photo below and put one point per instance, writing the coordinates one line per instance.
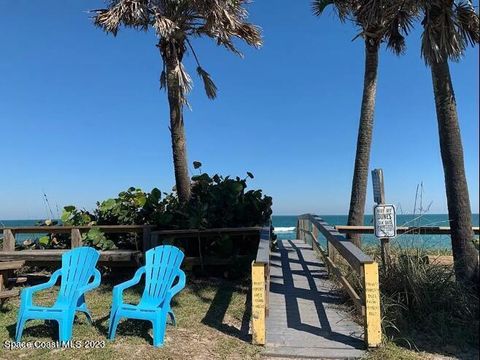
(162, 268)
(78, 267)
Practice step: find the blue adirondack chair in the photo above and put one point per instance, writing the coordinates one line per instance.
(162, 268)
(78, 267)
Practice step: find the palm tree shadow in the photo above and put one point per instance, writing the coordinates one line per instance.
(218, 309)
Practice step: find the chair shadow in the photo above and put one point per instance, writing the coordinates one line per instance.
(318, 297)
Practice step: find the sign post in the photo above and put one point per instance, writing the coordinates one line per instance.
(384, 216)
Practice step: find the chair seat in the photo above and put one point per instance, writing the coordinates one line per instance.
(140, 307)
(54, 308)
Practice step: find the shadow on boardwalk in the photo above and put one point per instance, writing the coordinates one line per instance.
(306, 317)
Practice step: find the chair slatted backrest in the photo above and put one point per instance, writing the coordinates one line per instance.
(78, 266)
(162, 264)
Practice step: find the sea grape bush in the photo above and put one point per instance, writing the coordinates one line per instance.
(216, 202)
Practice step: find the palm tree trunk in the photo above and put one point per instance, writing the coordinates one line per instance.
(459, 212)
(364, 140)
(177, 127)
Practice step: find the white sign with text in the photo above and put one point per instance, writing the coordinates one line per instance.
(385, 220)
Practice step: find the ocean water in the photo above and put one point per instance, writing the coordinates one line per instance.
(285, 228)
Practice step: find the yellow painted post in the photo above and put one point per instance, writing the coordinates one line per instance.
(373, 327)
(258, 303)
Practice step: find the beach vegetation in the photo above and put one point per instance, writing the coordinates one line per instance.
(216, 202)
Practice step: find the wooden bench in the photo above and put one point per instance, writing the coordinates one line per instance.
(6, 272)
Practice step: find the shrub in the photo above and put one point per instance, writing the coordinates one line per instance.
(216, 202)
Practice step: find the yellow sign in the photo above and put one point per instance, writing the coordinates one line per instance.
(258, 303)
(373, 327)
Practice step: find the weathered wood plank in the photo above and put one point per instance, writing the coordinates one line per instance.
(11, 265)
(5, 294)
(67, 229)
(76, 238)
(55, 255)
(207, 232)
(8, 240)
(263, 252)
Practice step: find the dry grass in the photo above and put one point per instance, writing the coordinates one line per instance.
(209, 315)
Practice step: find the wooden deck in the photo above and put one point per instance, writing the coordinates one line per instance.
(306, 318)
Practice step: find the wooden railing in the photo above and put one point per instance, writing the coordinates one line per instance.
(260, 287)
(149, 238)
(417, 230)
(309, 227)
(112, 257)
(157, 237)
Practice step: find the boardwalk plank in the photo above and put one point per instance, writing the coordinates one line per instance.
(306, 319)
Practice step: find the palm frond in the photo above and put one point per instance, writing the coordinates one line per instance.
(130, 13)
(318, 6)
(174, 22)
(184, 80)
(163, 79)
(468, 22)
(210, 87)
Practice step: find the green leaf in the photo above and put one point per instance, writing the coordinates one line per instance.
(155, 195)
(44, 241)
(65, 216)
(107, 205)
(197, 164)
(250, 175)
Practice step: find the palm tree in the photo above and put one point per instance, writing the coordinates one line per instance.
(379, 21)
(175, 23)
(448, 28)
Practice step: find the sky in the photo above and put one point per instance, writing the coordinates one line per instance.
(82, 116)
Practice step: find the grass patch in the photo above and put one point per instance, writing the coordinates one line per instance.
(424, 307)
(209, 314)
(425, 312)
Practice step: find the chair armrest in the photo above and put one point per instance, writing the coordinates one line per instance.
(97, 277)
(118, 289)
(27, 293)
(176, 289)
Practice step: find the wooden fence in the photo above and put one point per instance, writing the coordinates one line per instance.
(47, 256)
(414, 230)
(150, 237)
(368, 301)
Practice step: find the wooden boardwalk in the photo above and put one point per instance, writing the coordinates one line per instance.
(306, 318)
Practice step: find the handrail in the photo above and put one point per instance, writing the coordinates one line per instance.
(213, 231)
(9, 233)
(425, 230)
(263, 252)
(368, 302)
(66, 229)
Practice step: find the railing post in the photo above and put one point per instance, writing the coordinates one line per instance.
(8, 240)
(76, 238)
(371, 300)
(146, 238)
(258, 303)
